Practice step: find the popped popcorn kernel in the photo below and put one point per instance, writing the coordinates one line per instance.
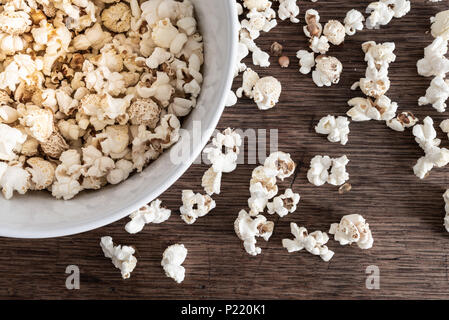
(352, 229)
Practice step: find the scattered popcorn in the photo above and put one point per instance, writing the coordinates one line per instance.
(122, 256)
(314, 243)
(446, 209)
(337, 129)
(172, 261)
(335, 32)
(353, 22)
(444, 125)
(425, 136)
(306, 61)
(276, 49)
(352, 229)
(365, 109)
(211, 181)
(288, 10)
(281, 164)
(195, 206)
(436, 94)
(318, 173)
(338, 174)
(383, 11)
(327, 71)
(319, 44)
(440, 25)
(403, 120)
(248, 228)
(223, 153)
(319, 170)
(313, 28)
(434, 62)
(231, 99)
(266, 92)
(262, 188)
(152, 213)
(284, 204)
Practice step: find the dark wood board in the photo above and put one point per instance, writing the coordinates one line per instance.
(405, 213)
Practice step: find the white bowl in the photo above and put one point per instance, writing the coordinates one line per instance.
(38, 215)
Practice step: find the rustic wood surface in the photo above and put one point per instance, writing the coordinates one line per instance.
(405, 213)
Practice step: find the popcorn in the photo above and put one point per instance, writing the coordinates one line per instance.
(152, 213)
(306, 61)
(211, 181)
(284, 204)
(436, 94)
(327, 71)
(262, 188)
(319, 170)
(195, 206)
(337, 129)
(353, 22)
(280, 164)
(335, 32)
(250, 79)
(248, 228)
(318, 173)
(444, 125)
(383, 11)
(266, 92)
(231, 99)
(365, 109)
(313, 27)
(259, 21)
(402, 121)
(319, 44)
(172, 259)
(440, 25)
(224, 151)
(11, 141)
(122, 256)
(425, 136)
(352, 229)
(13, 178)
(338, 174)
(288, 10)
(314, 243)
(434, 62)
(117, 17)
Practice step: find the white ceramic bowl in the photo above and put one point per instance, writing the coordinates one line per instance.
(38, 215)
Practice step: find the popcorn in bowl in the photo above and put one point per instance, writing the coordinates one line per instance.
(92, 91)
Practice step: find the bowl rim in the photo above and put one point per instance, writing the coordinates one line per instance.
(121, 213)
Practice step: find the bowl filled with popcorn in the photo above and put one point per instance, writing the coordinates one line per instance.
(104, 104)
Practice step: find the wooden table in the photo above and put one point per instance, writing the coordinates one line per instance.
(405, 213)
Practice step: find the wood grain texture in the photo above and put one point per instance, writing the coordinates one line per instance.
(405, 213)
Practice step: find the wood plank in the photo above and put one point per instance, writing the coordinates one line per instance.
(405, 213)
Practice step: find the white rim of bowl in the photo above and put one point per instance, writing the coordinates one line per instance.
(119, 214)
